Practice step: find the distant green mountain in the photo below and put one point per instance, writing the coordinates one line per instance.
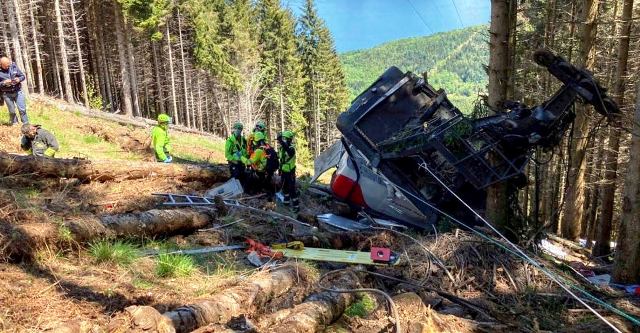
(455, 61)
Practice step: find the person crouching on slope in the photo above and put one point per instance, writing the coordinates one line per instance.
(287, 158)
(258, 162)
(38, 141)
(160, 139)
(234, 151)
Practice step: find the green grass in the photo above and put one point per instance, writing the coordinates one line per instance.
(174, 265)
(362, 307)
(117, 252)
(142, 283)
(90, 139)
(65, 234)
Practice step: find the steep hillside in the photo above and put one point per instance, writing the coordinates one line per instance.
(455, 61)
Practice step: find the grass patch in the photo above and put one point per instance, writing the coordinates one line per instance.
(90, 139)
(174, 265)
(65, 234)
(142, 284)
(362, 307)
(118, 252)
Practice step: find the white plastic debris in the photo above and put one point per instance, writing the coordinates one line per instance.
(552, 249)
(231, 189)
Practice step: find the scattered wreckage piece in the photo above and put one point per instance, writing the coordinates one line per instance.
(402, 169)
(101, 171)
(181, 200)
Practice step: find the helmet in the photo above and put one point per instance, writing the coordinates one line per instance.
(258, 136)
(287, 135)
(260, 125)
(237, 126)
(164, 118)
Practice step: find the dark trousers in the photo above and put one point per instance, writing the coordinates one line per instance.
(237, 171)
(289, 188)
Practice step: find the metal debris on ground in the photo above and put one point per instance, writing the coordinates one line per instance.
(229, 190)
(341, 223)
(196, 251)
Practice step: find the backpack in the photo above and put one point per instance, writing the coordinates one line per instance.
(272, 159)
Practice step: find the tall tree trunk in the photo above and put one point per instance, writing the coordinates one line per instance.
(626, 268)
(603, 235)
(499, 55)
(131, 61)
(68, 91)
(5, 38)
(36, 47)
(156, 71)
(83, 83)
(19, 56)
(574, 201)
(184, 74)
(23, 40)
(174, 100)
(122, 55)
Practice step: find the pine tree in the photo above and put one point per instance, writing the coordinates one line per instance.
(282, 77)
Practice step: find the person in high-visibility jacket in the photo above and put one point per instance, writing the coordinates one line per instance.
(287, 158)
(38, 141)
(261, 127)
(160, 139)
(260, 179)
(234, 151)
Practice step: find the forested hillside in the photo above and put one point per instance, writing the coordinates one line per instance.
(205, 63)
(455, 61)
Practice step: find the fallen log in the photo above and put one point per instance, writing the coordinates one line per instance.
(218, 308)
(25, 239)
(315, 313)
(86, 170)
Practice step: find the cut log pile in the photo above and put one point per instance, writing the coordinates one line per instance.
(11, 164)
(25, 239)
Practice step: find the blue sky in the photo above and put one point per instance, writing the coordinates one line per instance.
(358, 24)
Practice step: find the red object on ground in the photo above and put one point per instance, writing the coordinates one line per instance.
(380, 254)
(262, 250)
(637, 291)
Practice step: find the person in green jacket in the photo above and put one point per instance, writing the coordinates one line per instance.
(234, 151)
(160, 139)
(287, 159)
(38, 141)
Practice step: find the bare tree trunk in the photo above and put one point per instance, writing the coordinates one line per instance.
(499, 56)
(574, 202)
(199, 103)
(5, 38)
(174, 100)
(122, 55)
(23, 40)
(626, 268)
(83, 83)
(18, 57)
(131, 61)
(156, 70)
(184, 73)
(603, 235)
(36, 47)
(68, 91)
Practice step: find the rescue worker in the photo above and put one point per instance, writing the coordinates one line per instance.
(260, 179)
(287, 158)
(160, 139)
(234, 151)
(38, 141)
(11, 78)
(260, 127)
